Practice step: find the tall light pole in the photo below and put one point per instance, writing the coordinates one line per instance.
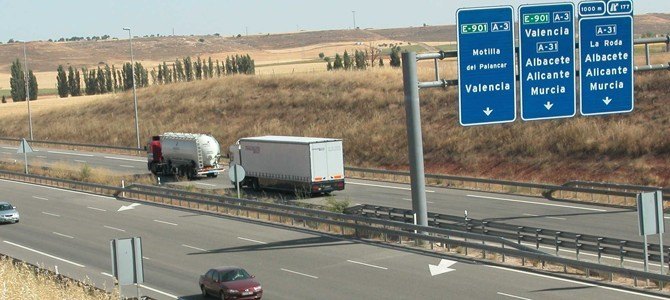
(132, 65)
(27, 80)
(353, 12)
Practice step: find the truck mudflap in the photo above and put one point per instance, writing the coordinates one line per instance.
(327, 186)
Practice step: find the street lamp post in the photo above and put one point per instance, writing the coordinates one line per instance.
(132, 67)
(27, 80)
(353, 12)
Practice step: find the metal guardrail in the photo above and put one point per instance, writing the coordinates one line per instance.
(74, 144)
(558, 240)
(358, 226)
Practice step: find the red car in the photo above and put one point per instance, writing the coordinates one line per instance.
(229, 283)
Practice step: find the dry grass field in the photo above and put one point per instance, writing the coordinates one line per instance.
(20, 281)
(366, 110)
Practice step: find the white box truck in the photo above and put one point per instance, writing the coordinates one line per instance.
(302, 164)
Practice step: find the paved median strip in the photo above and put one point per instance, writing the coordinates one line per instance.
(537, 203)
(298, 273)
(45, 254)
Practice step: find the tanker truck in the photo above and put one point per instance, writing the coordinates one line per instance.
(184, 154)
(301, 164)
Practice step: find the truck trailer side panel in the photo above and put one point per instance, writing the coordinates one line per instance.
(276, 160)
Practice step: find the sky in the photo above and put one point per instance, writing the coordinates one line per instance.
(28, 20)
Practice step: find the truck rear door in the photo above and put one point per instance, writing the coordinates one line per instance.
(319, 160)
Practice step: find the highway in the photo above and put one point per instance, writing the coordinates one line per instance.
(71, 230)
(512, 209)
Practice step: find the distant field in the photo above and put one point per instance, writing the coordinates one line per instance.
(41, 92)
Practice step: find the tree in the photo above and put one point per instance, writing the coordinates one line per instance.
(395, 57)
(17, 82)
(4, 100)
(153, 74)
(360, 60)
(338, 62)
(157, 78)
(62, 84)
(179, 70)
(174, 73)
(198, 69)
(218, 68)
(101, 85)
(167, 74)
(116, 80)
(321, 55)
(109, 84)
(210, 67)
(188, 68)
(32, 85)
(71, 84)
(347, 60)
(329, 66)
(381, 62)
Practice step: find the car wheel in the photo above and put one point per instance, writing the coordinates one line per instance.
(223, 296)
(204, 292)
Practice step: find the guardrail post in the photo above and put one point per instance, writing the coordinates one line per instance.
(577, 245)
(537, 238)
(518, 234)
(600, 249)
(646, 51)
(503, 254)
(621, 252)
(484, 231)
(557, 243)
(667, 43)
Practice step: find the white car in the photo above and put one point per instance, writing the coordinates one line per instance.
(8, 213)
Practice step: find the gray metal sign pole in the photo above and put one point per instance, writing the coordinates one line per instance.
(25, 154)
(415, 139)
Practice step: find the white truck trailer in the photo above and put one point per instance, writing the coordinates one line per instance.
(302, 164)
(184, 154)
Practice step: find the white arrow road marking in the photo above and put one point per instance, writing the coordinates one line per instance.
(549, 105)
(442, 268)
(303, 274)
(488, 111)
(45, 254)
(367, 265)
(127, 207)
(607, 100)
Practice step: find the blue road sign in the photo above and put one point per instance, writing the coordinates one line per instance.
(547, 61)
(606, 58)
(486, 69)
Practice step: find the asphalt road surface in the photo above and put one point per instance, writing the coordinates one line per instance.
(72, 230)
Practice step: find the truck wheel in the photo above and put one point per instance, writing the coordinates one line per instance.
(255, 184)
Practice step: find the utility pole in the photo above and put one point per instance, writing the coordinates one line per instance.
(354, 13)
(132, 65)
(27, 80)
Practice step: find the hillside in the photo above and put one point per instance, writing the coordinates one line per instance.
(366, 110)
(46, 56)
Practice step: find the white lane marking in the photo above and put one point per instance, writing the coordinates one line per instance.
(9, 148)
(194, 248)
(367, 265)
(168, 223)
(126, 166)
(146, 258)
(556, 218)
(512, 296)
(407, 199)
(128, 159)
(537, 203)
(58, 189)
(250, 240)
(303, 274)
(45, 254)
(160, 292)
(70, 153)
(531, 215)
(114, 228)
(41, 198)
(63, 235)
(385, 186)
(81, 161)
(207, 184)
(41, 156)
(106, 274)
(95, 208)
(578, 282)
(50, 214)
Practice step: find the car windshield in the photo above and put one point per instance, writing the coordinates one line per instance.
(5, 207)
(237, 274)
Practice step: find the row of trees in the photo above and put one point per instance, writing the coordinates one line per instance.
(17, 83)
(362, 59)
(110, 79)
(99, 81)
(189, 70)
